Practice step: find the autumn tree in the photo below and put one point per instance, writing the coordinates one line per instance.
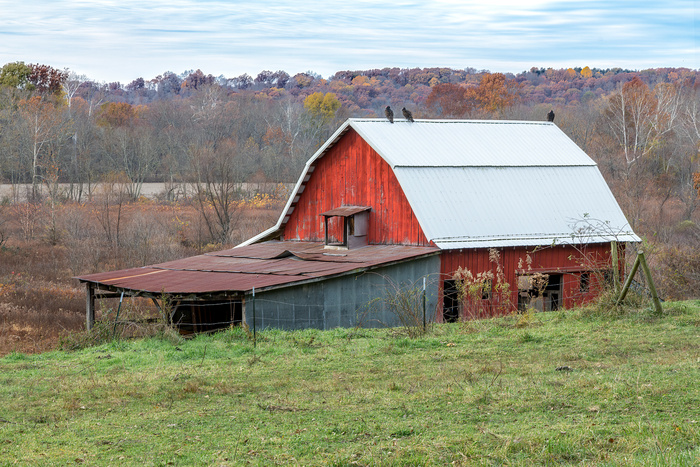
(321, 110)
(16, 75)
(639, 118)
(495, 93)
(46, 79)
(128, 143)
(44, 132)
(449, 100)
(215, 160)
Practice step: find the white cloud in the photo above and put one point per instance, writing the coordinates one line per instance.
(122, 40)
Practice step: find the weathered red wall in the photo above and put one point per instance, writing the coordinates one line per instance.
(565, 260)
(352, 173)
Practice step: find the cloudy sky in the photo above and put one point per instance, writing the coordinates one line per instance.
(120, 40)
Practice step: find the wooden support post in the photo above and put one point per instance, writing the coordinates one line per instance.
(641, 261)
(630, 277)
(650, 283)
(425, 323)
(616, 266)
(89, 306)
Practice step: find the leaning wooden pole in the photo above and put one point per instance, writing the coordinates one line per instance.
(630, 277)
(641, 261)
(650, 282)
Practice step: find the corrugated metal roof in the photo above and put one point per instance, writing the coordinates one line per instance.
(467, 184)
(470, 143)
(481, 207)
(261, 266)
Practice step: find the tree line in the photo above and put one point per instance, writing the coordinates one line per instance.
(61, 134)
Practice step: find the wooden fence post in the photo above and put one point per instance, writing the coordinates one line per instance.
(89, 305)
(616, 266)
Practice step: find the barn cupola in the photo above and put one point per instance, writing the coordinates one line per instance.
(346, 227)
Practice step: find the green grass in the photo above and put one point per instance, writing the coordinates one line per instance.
(557, 389)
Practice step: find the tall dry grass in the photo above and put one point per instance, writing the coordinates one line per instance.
(43, 247)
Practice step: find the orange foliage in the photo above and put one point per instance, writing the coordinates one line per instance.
(496, 93)
(117, 114)
(450, 100)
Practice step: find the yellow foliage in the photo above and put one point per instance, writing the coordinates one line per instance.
(360, 80)
(322, 106)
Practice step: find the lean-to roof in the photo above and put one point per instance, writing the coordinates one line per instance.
(261, 266)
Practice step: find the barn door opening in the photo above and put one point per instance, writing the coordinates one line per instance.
(450, 301)
(192, 316)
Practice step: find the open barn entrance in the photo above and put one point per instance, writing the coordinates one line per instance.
(450, 301)
(192, 316)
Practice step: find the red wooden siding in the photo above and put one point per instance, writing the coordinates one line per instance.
(352, 173)
(568, 261)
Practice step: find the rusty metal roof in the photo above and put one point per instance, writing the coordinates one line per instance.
(260, 266)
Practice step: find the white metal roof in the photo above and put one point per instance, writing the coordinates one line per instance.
(470, 143)
(478, 184)
(482, 207)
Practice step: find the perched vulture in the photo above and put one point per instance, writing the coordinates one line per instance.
(550, 116)
(407, 114)
(389, 114)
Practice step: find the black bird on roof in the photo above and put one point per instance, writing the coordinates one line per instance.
(407, 114)
(550, 116)
(389, 114)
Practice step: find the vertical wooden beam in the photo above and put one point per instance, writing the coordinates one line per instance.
(89, 306)
(345, 231)
(615, 265)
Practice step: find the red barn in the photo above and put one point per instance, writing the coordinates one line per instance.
(497, 215)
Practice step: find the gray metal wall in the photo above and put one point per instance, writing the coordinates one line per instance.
(345, 301)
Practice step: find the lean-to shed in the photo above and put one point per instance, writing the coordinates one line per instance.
(515, 209)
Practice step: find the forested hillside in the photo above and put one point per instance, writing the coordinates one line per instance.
(214, 133)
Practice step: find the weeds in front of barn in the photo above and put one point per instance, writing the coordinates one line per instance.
(571, 387)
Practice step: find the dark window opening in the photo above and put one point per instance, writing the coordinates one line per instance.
(450, 302)
(608, 278)
(542, 292)
(585, 282)
(486, 290)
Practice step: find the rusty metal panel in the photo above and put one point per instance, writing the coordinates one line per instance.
(346, 211)
(223, 272)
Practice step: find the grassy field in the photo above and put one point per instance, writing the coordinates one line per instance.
(562, 388)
